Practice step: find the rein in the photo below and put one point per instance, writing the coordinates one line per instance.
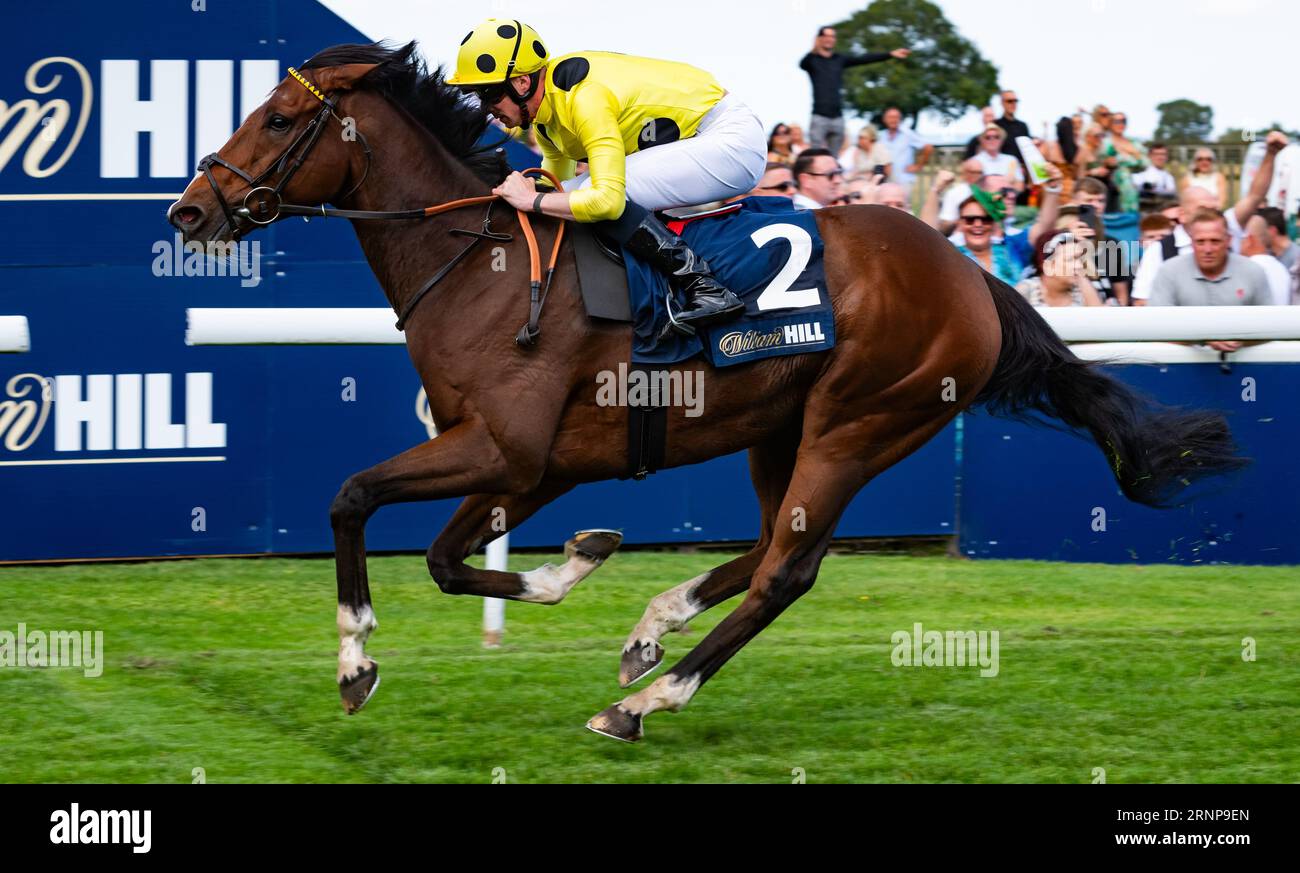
(263, 205)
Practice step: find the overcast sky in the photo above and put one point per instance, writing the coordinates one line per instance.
(1057, 54)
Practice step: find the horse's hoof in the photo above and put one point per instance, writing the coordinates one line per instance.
(596, 545)
(358, 690)
(638, 661)
(618, 723)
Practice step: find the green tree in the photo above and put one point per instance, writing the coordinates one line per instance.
(946, 74)
(1237, 135)
(1184, 121)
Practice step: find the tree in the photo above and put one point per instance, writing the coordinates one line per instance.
(1184, 121)
(945, 74)
(1238, 136)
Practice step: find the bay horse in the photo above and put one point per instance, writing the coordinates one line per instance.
(922, 333)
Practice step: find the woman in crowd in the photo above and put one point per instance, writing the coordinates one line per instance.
(869, 153)
(1204, 174)
(779, 150)
(797, 142)
(1060, 274)
(1091, 158)
(1130, 158)
(980, 219)
(979, 222)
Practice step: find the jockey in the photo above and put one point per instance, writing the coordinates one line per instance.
(655, 134)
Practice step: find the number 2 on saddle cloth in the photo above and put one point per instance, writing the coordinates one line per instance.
(770, 255)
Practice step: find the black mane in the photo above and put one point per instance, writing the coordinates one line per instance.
(442, 109)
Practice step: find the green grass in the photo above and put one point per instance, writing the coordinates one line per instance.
(229, 665)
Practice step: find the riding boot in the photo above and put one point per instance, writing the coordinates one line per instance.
(707, 301)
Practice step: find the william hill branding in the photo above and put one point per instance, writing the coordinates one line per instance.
(765, 338)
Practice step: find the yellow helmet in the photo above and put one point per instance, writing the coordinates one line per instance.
(497, 50)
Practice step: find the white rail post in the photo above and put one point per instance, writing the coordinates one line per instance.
(14, 336)
(494, 608)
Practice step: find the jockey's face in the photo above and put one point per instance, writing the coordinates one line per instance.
(506, 109)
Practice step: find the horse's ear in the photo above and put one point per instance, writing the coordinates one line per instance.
(343, 77)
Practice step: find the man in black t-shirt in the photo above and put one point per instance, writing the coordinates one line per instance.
(826, 69)
(1014, 127)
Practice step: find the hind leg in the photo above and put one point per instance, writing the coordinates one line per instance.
(770, 467)
(826, 477)
(483, 517)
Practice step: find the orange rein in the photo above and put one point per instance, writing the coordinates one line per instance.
(534, 257)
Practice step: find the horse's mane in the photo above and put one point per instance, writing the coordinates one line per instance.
(442, 109)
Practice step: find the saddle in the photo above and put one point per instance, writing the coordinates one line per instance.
(602, 271)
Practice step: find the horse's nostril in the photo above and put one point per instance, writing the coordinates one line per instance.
(187, 215)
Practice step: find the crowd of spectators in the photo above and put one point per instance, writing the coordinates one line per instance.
(1187, 244)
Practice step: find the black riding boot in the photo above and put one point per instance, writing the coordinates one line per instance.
(707, 302)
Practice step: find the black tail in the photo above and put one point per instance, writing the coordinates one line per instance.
(1154, 451)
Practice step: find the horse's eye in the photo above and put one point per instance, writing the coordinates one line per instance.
(278, 122)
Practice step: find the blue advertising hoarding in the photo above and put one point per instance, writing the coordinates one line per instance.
(117, 440)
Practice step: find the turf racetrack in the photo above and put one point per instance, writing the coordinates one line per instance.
(229, 665)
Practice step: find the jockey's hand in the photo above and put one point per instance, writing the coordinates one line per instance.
(900, 53)
(518, 190)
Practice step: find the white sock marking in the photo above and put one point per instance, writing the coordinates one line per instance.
(354, 629)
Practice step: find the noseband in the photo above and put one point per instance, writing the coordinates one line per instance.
(262, 204)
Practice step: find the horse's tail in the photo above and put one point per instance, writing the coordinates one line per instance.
(1154, 451)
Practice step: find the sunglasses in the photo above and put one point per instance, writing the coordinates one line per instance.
(779, 186)
(785, 132)
(833, 174)
(1012, 100)
(976, 219)
(490, 95)
(1119, 119)
(990, 136)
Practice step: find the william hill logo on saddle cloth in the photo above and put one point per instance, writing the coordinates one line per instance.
(802, 335)
(767, 253)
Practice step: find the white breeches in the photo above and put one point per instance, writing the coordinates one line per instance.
(725, 158)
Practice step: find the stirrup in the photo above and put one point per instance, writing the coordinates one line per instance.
(673, 325)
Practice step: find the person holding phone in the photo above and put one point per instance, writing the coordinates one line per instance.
(1114, 269)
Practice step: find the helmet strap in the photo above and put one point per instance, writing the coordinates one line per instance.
(534, 80)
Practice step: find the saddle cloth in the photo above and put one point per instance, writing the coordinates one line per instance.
(761, 248)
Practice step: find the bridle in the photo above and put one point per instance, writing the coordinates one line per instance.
(264, 205)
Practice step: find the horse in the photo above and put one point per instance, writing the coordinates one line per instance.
(922, 334)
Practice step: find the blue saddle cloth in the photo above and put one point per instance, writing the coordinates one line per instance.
(769, 254)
